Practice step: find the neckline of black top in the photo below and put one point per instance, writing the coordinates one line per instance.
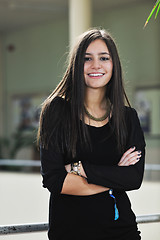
(100, 127)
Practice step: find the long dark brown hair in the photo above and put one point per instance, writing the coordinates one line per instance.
(62, 114)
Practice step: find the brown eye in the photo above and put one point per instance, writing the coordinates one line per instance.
(87, 59)
(104, 58)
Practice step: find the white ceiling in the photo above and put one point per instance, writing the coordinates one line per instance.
(20, 13)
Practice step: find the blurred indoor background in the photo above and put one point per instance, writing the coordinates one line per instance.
(35, 37)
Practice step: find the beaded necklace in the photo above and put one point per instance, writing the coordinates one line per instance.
(99, 119)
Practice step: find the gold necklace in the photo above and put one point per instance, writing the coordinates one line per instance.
(100, 119)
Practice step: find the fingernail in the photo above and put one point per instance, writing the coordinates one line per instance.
(139, 154)
(132, 147)
(138, 159)
(139, 151)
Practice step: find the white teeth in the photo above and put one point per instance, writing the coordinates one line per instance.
(95, 74)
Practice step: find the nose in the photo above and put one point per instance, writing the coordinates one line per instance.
(96, 64)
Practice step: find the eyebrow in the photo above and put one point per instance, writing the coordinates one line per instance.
(102, 53)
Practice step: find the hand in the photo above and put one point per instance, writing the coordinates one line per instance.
(82, 171)
(68, 167)
(130, 157)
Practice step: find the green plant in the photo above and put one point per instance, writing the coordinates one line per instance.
(23, 139)
(4, 147)
(156, 6)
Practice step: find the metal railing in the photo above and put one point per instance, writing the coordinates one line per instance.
(20, 163)
(41, 227)
(23, 228)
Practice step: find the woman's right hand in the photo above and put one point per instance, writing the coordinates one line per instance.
(130, 157)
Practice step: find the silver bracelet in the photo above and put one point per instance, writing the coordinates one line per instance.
(75, 168)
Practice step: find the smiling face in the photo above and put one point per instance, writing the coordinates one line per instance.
(98, 65)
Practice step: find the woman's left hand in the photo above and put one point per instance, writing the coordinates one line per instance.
(130, 157)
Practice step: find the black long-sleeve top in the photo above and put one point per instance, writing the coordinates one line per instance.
(113, 176)
(101, 166)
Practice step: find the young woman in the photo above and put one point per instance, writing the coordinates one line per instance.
(92, 146)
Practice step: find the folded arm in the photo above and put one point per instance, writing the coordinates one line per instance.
(121, 178)
(58, 181)
(77, 185)
(124, 176)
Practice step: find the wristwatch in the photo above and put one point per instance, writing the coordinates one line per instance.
(75, 168)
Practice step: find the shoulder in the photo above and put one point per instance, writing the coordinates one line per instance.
(53, 116)
(54, 106)
(58, 102)
(131, 117)
(135, 131)
(130, 112)
(54, 113)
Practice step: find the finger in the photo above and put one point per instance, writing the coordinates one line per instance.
(131, 161)
(128, 163)
(127, 160)
(68, 167)
(129, 156)
(133, 155)
(126, 153)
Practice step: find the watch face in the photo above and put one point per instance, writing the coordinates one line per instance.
(76, 167)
